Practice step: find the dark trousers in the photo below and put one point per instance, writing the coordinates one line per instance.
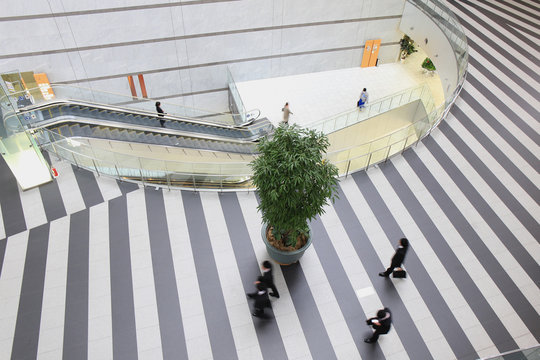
(274, 290)
(162, 122)
(375, 335)
(389, 271)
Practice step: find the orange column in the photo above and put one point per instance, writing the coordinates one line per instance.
(132, 86)
(367, 53)
(374, 52)
(143, 86)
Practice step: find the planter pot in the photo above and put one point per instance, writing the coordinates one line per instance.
(284, 257)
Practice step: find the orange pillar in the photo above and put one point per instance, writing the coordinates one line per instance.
(374, 52)
(367, 53)
(132, 86)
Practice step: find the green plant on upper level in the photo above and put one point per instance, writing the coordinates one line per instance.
(293, 180)
(407, 46)
(428, 65)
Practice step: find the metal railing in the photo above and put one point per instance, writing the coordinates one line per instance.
(377, 107)
(225, 175)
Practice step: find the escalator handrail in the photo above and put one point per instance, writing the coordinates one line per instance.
(121, 125)
(125, 110)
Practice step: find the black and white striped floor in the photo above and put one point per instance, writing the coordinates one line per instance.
(93, 268)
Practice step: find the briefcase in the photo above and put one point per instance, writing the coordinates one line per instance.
(399, 273)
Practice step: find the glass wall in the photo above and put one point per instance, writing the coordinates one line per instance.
(18, 149)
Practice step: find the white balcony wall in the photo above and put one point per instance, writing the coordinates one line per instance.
(183, 49)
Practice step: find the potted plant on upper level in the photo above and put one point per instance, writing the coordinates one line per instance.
(428, 65)
(294, 183)
(407, 47)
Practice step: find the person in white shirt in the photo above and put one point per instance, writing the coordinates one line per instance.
(364, 96)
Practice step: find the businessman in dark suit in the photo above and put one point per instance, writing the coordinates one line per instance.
(381, 323)
(268, 278)
(398, 257)
(261, 298)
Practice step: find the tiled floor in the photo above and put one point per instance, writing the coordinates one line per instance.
(316, 96)
(90, 267)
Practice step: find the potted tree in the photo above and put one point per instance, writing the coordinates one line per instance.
(294, 183)
(406, 45)
(428, 65)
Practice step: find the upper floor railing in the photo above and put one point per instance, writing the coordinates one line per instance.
(450, 26)
(70, 92)
(224, 174)
(377, 107)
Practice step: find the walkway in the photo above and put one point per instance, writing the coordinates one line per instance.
(95, 268)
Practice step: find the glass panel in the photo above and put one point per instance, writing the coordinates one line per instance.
(359, 163)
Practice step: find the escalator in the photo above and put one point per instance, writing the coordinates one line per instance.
(99, 129)
(198, 148)
(86, 120)
(56, 112)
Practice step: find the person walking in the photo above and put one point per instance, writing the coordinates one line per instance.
(268, 278)
(398, 257)
(286, 113)
(381, 323)
(161, 113)
(261, 298)
(364, 96)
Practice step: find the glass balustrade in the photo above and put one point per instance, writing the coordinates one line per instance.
(76, 93)
(236, 175)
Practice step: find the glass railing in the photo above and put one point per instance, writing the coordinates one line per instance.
(224, 175)
(236, 105)
(450, 26)
(148, 171)
(377, 107)
(378, 150)
(76, 93)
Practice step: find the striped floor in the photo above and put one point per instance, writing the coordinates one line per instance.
(94, 268)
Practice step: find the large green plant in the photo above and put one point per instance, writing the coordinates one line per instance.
(428, 65)
(406, 45)
(293, 180)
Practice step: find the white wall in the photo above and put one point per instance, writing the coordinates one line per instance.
(421, 28)
(100, 49)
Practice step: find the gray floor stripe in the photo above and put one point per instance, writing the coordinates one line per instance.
(122, 306)
(497, 154)
(524, 3)
(505, 109)
(88, 185)
(126, 187)
(76, 315)
(526, 219)
(217, 320)
(509, 289)
(173, 339)
(52, 201)
(524, 104)
(513, 245)
(3, 243)
(10, 201)
(500, 36)
(488, 36)
(316, 336)
(488, 117)
(25, 342)
(270, 340)
(481, 308)
(346, 297)
(408, 333)
(516, 17)
(491, 59)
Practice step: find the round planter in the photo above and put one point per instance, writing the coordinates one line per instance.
(284, 257)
